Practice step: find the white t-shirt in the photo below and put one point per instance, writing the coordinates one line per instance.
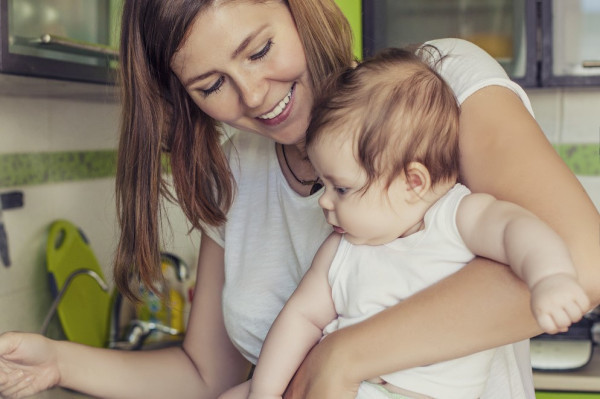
(272, 233)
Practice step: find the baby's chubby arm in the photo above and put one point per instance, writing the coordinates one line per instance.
(297, 328)
(510, 234)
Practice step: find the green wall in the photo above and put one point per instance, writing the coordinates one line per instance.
(353, 11)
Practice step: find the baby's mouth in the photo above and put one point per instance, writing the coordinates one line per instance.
(338, 229)
(279, 108)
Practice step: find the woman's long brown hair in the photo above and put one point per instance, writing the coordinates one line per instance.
(160, 122)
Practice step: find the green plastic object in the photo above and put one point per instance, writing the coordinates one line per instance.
(84, 310)
(566, 395)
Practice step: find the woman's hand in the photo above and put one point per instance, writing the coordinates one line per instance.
(321, 376)
(27, 364)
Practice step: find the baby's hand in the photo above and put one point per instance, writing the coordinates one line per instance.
(557, 301)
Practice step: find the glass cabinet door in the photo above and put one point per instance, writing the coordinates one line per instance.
(498, 26)
(66, 39)
(571, 55)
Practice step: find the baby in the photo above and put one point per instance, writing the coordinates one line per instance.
(383, 139)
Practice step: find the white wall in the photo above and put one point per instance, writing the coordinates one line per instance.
(38, 115)
(572, 116)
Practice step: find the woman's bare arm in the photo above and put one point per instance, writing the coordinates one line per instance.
(504, 153)
(507, 155)
(206, 365)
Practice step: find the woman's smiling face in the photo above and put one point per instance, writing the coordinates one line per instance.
(243, 64)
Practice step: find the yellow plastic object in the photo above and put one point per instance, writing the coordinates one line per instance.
(176, 303)
(84, 310)
(168, 309)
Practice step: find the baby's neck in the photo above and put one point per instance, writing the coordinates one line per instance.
(438, 190)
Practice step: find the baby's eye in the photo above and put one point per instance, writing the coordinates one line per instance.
(341, 190)
(263, 52)
(214, 88)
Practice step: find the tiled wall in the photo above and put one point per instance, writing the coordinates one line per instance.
(57, 146)
(57, 143)
(570, 118)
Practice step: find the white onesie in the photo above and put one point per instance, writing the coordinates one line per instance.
(367, 279)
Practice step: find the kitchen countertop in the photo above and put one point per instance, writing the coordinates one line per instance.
(585, 379)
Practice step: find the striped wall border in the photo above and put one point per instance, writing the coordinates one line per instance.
(52, 167)
(27, 169)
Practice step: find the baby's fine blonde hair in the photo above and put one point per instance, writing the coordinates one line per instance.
(397, 109)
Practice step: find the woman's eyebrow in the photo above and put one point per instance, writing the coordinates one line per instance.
(197, 78)
(243, 45)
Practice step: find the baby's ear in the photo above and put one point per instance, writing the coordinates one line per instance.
(417, 179)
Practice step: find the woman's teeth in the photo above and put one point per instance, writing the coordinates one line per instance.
(279, 108)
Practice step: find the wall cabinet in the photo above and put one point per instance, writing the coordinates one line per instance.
(570, 48)
(61, 39)
(540, 43)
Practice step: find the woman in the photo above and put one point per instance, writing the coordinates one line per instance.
(255, 65)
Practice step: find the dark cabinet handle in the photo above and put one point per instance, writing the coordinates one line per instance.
(72, 46)
(4, 255)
